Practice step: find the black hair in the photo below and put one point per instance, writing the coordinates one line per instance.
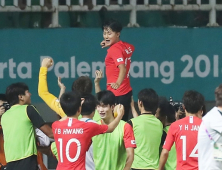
(83, 85)
(106, 97)
(115, 25)
(193, 101)
(149, 98)
(70, 102)
(218, 95)
(89, 104)
(13, 91)
(204, 110)
(166, 110)
(162, 105)
(3, 97)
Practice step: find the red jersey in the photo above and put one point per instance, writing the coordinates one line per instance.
(118, 53)
(73, 139)
(184, 133)
(2, 153)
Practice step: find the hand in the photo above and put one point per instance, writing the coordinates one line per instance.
(114, 85)
(103, 44)
(2, 110)
(82, 101)
(47, 62)
(99, 75)
(60, 84)
(119, 110)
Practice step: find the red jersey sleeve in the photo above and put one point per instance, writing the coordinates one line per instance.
(117, 56)
(97, 129)
(128, 137)
(169, 139)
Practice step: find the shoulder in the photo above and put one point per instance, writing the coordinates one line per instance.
(176, 123)
(128, 45)
(116, 47)
(56, 123)
(30, 107)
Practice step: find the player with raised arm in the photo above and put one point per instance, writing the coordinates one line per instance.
(83, 85)
(184, 133)
(73, 137)
(117, 64)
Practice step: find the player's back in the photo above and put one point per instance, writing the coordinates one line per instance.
(148, 131)
(184, 132)
(73, 138)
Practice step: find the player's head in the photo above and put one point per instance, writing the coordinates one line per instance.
(71, 103)
(148, 100)
(111, 31)
(193, 102)
(89, 105)
(106, 104)
(18, 93)
(165, 111)
(218, 95)
(83, 85)
(2, 98)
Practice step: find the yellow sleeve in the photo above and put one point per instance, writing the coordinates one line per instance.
(48, 98)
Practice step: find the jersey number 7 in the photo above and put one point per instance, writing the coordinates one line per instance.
(184, 153)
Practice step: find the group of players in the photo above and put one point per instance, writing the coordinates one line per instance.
(94, 133)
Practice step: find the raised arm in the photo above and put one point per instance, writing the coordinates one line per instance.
(134, 112)
(99, 75)
(62, 87)
(43, 92)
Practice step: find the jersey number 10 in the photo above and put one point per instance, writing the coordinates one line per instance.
(184, 149)
(68, 149)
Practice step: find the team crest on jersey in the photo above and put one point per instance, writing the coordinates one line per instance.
(133, 142)
(119, 59)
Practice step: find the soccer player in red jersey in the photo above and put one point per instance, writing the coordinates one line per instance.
(117, 64)
(73, 137)
(184, 133)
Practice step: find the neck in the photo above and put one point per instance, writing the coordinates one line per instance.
(167, 123)
(196, 115)
(220, 108)
(107, 121)
(87, 116)
(143, 111)
(74, 116)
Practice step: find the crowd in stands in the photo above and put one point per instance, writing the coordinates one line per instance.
(95, 19)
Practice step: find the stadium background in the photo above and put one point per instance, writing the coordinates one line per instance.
(174, 50)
